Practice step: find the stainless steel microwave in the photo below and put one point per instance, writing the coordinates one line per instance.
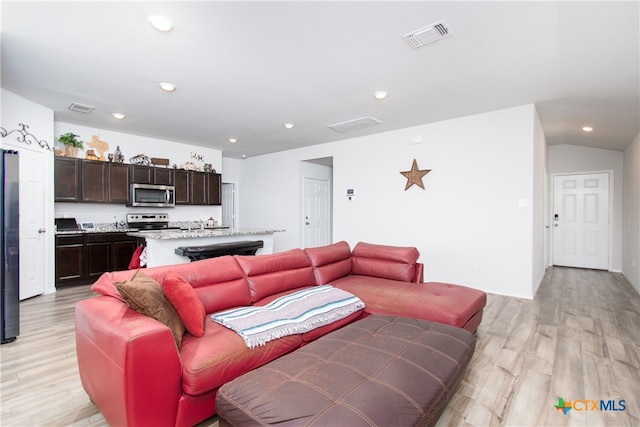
(150, 195)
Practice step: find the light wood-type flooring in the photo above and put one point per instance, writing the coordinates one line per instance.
(579, 339)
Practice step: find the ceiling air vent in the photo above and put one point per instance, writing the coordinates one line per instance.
(81, 108)
(428, 34)
(362, 122)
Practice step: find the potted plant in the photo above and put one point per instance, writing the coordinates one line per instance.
(71, 144)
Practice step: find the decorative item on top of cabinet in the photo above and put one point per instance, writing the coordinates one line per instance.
(71, 144)
(140, 159)
(91, 155)
(99, 146)
(156, 161)
(118, 157)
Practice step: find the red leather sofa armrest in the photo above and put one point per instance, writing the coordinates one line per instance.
(129, 364)
(419, 273)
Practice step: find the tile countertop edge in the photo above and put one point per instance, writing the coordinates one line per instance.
(183, 234)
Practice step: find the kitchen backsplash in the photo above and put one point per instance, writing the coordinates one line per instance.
(110, 214)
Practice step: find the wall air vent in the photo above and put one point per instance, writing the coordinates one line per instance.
(362, 122)
(81, 108)
(428, 34)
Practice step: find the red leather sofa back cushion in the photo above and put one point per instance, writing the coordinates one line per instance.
(274, 273)
(330, 262)
(219, 282)
(387, 262)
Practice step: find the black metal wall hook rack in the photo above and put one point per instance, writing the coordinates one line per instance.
(25, 136)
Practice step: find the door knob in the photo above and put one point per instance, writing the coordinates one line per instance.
(306, 223)
(41, 230)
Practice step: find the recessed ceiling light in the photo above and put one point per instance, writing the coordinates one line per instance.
(233, 140)
(381, 94)
(167, 87)
(289, 125)
(161, 23)
(244, 156)
(118, 116)
(587, 128)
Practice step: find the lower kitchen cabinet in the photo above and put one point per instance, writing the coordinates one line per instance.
(82, 258)
(70, 259)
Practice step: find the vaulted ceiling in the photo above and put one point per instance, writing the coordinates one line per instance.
(243, 69)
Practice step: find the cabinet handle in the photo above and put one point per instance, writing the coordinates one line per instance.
(42, 230)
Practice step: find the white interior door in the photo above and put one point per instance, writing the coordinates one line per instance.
(228, 205)
(32, 222)
(581, 220)
(316, 212)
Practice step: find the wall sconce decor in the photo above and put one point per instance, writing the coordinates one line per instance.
(25, 136)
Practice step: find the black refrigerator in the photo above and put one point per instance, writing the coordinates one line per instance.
(10, 227)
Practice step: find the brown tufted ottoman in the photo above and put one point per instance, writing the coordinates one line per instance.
(381, 370)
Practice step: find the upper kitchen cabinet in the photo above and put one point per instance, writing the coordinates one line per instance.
(163, 176)
(205, 188)
(95, 181)
(118, 183)
(182, 185)
(151, 175)
(141, 174)
(67, 179)
(198, 188)
(91, 181)
(214, 189)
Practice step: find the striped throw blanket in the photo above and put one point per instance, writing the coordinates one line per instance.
(295, 313)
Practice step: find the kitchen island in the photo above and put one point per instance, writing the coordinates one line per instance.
(161, 244)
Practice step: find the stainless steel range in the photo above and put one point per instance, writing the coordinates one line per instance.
(149, 221)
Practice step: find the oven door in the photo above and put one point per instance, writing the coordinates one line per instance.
(149, 195)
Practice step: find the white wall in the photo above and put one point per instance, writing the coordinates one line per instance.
(540, 234)
(467, 223)
(15, 110)
(565, 159)
(131, 145)
(631, 214)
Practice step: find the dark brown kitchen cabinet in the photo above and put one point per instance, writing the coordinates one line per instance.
(141, 174)
(214, 189)
(118, 183)
(67, 179)
(205, 188)
(151, 175)
(98, 251)
(163, 176)
(70, 259)
(198, 188)
(91, 181)
(122, 250)
(95, 181)
(82, 258)
(182, 183)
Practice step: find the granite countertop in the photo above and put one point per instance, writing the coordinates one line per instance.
(186, 234)
(112, 229)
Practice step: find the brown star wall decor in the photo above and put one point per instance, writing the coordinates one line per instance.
(414, 176)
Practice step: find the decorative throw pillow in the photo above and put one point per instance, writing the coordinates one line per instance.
(145, 295)
(186, 302)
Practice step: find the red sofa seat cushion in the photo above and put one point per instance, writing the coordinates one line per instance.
(273, 273)
(221, 355)
(330, 262)
(388, 262)
(439, 302)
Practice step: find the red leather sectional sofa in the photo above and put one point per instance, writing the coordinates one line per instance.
(133, 371)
